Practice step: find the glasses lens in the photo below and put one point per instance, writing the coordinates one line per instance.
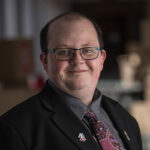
(67, 53)
(89, 52)
(63, 53)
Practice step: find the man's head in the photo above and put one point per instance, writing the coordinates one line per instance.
(76, 73)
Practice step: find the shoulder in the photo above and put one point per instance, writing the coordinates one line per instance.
(18, 125)
(112, 107)
(25, 113)
(32, 110)
(112, 104)
(22, 109)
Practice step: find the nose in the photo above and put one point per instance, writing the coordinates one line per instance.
(77, 58)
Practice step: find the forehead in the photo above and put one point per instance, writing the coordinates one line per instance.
(69, 19)
(65, 26)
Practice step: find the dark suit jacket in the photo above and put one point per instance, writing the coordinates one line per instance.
(44, 122)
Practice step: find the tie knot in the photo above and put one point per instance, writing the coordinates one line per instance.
(90, 114)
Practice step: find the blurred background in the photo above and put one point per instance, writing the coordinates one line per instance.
(126, 31)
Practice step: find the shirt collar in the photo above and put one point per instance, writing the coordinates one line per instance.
(76, 105)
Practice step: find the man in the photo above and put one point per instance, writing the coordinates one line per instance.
(69, 110)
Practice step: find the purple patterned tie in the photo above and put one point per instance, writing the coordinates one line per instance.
(103, 135)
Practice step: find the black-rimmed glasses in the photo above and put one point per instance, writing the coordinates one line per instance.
(87, 53)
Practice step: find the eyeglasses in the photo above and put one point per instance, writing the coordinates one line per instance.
(87, 53)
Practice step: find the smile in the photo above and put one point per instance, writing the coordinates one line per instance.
(78, 71)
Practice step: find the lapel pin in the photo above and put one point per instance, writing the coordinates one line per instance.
(127, 136)
(81, 137)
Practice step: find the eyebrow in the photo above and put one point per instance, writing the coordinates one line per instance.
(83, 45)
(86, 44)
(89, 43)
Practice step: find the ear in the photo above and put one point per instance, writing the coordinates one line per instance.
(103, 56)
(43, 58)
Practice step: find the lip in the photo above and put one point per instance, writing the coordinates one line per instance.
(78, 71)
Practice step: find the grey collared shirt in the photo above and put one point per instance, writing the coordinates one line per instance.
(79, 109)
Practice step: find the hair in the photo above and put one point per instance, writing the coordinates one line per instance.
(71, 16)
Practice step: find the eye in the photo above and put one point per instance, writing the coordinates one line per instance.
(63, 52)
(88, 51)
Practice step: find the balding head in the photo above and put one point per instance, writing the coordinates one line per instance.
(61, 19)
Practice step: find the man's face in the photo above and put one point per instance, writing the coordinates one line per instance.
(77, 73)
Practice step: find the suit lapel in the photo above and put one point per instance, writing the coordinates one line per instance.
(66, 121)
(118, 122)
(71, 126)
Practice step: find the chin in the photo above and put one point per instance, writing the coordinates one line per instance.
(76, 85)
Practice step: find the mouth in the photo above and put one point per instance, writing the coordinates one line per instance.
(77, 71)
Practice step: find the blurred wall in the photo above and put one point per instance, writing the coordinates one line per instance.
(23, 19)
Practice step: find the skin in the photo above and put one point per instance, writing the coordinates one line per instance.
(76, 77)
